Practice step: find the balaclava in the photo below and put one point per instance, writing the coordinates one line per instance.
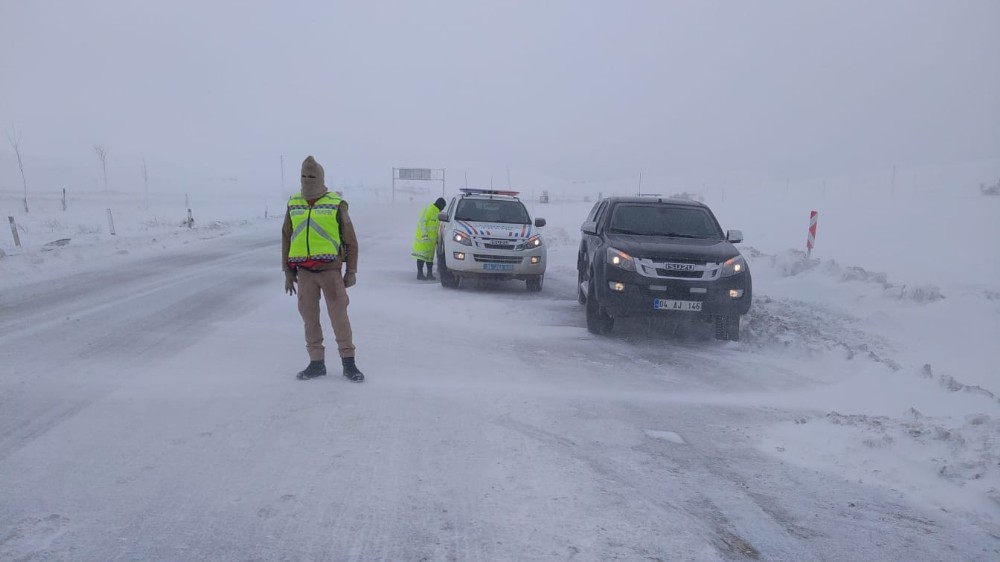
(312, 179)
(440, 203)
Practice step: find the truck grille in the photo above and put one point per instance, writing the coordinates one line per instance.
(483, 258)
(680, 274)
(492, 246)
(677, 268)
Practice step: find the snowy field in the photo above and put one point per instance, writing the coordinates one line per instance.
(149, 411)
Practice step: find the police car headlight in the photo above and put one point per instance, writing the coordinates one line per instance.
(620, 259)
(462, 239)
(533, 242)
(733, 266)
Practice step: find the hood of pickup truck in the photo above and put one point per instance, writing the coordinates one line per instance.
(496, 230)
(665, 247)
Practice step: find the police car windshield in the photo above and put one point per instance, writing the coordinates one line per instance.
(664, 220)
(492, 210)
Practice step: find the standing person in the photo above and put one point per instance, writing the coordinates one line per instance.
(425, 238)
(317, 239)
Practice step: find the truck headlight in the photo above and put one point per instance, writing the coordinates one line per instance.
(462, 239)
(620, 259)
(533, 242)
(733, 266)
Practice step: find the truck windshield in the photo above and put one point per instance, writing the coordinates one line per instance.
(492, 210)
(664, 220)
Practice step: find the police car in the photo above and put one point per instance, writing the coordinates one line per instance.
(489, 234)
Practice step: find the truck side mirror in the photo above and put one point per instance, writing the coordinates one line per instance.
(539, 222)
(443, 216)
(734, 236)
(589, 228)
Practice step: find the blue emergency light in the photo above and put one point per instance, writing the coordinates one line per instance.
(473, 191)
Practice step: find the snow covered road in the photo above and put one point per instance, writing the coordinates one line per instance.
(148, 411)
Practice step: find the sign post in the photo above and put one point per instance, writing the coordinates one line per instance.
(417, 174)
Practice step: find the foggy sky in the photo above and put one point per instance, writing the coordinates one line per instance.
(561, 89)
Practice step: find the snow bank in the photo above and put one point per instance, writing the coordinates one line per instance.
(952, 463)
(796, 262)
(56, 242)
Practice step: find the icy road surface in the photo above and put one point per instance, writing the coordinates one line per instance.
(149, 411)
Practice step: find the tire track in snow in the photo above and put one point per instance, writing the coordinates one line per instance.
(130, 326)
(704, 522)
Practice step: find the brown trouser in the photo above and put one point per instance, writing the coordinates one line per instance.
(331, 284)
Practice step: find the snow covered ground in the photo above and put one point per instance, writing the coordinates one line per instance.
(148, 408)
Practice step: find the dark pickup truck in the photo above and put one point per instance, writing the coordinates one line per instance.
(653, 256)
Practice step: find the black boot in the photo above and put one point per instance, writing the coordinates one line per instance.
(351, 370)
(420, 270)
(430, 276)
(315, 369)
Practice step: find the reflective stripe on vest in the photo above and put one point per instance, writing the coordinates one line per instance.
(315, 230)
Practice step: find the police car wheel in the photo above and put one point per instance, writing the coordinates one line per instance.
(448, 279)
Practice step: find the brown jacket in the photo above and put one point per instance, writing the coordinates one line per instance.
(348, 242)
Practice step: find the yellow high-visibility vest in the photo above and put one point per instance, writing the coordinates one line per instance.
(315, 230)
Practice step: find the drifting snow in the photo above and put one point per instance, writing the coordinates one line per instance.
(878, 377)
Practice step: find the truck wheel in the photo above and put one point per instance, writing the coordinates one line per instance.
(448, 279)
(598, 320)
(534, 284)
(727, 327)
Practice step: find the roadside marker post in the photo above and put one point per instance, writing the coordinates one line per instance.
(811, 239)
(13, 230)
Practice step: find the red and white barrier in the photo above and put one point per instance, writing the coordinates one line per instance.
(811, 240)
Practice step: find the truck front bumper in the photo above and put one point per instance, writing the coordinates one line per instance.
(623, 293)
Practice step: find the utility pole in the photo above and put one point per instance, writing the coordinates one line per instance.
(145, 179)
(282, 175)
(102, 157)
(15, 142)
(640, 183)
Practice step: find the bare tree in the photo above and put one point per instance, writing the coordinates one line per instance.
(14, 138)
(990, 189)
(102, 155)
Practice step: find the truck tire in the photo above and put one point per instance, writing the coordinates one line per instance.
(598, 320)
(534, 284)
(727, 327)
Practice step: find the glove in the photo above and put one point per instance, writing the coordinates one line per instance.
(290, 279)
(350, 280)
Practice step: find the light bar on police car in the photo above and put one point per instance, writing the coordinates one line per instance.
(473, 191)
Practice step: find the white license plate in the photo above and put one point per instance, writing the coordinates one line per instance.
(667, 304)
(498, 267)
